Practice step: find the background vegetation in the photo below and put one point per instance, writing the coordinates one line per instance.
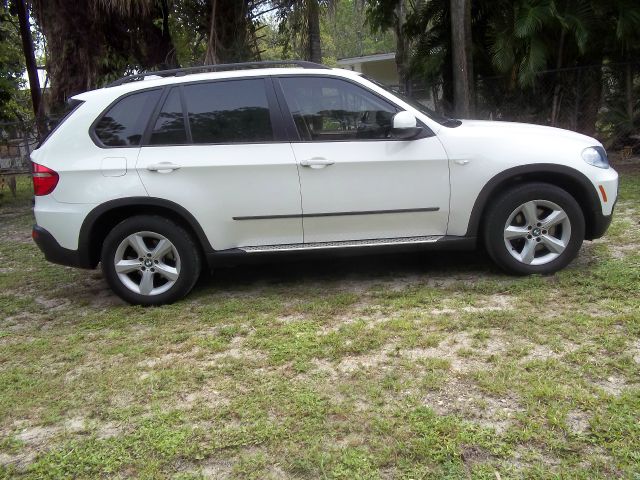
(571, 63)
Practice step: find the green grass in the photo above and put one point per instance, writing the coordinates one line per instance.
(406, 366)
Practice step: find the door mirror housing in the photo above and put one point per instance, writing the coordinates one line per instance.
(405, 126)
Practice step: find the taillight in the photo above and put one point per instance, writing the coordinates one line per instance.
(44, 180)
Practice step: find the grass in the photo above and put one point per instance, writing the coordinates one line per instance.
(404, 366)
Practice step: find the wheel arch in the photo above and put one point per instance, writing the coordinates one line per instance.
(567, 178)
(104, 217)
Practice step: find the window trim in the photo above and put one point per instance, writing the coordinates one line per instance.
(92, 128)
(294, 135)
(275, 114)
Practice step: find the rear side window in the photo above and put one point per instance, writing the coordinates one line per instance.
(169, 128)
(123, 124)
(235, 111)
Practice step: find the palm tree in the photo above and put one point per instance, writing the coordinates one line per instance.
(300, 24)
(461, 56)
(384, 15)
(231, 31)
(29, 56)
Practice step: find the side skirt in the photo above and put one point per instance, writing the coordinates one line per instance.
(245, 255)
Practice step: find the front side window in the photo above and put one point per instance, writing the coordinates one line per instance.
(123, 124)
(330, 109)
(235, 111)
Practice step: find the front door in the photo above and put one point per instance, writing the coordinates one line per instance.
(214, 151)
(357, 182)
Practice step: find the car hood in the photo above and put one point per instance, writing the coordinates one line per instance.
(528, 131)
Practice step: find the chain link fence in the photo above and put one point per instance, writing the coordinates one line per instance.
(598, 100)
(17, 141)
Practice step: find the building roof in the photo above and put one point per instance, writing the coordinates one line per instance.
(377, 57)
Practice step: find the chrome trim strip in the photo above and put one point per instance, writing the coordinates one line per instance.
(343, 244)
(338, 214)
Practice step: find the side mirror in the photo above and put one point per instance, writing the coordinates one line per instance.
(405, 126)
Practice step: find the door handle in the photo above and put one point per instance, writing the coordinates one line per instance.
(316, 162)
(163, 167)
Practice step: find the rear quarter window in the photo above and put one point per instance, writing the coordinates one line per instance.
(124, 123)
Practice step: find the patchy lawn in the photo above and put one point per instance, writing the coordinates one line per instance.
(404, 366)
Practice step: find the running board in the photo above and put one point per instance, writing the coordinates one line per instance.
(379, 242)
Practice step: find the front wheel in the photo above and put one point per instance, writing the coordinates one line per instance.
(534, 228)
(150, 260)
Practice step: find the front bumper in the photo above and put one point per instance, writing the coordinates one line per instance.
(606, 185)
(54, 253)
(599, 226)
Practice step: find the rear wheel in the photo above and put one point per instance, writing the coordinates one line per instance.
(534, 228)
(150, 260)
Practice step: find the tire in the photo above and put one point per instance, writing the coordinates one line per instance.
(534, 228)
(160, 270)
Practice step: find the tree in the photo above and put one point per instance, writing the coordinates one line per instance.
(231, 32)
(29, 56)
(385, 15)
(314, 53)
(90, 42)
(300, 26)
(12, 107)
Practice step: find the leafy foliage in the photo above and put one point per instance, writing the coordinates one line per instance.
(544, 61)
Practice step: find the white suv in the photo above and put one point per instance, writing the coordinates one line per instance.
(156, 175)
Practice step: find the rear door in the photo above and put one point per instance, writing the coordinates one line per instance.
(358, 182)
(216, 148)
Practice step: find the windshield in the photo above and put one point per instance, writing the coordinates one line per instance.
(441, 119)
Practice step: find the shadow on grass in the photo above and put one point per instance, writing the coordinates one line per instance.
(368, 268)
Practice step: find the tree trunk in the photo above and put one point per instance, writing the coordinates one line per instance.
(461, 56)
(211, 55)
(30, 59)
(230, 33)
(629, 91)
(313, 24)
(162, 44)
(402, 48)
(73, 48)
(555, 103)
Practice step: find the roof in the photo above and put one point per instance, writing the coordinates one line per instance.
(151, 80)
(220, 67)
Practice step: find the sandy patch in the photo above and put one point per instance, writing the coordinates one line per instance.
(493, 303)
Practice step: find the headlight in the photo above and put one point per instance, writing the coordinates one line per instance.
(596, 156)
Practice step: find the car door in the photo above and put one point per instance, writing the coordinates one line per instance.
(358, 182)
(215, 149)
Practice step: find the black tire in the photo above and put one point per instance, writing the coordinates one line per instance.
(187, 250)
(502, 208)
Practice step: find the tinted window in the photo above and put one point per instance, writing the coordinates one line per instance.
(124, 123)
(331, 109)
(229, 111)
(169, 128)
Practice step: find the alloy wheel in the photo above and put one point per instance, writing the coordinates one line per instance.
(537, 232)
(147, 263)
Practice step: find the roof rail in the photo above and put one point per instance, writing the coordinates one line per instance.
(179, 72)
